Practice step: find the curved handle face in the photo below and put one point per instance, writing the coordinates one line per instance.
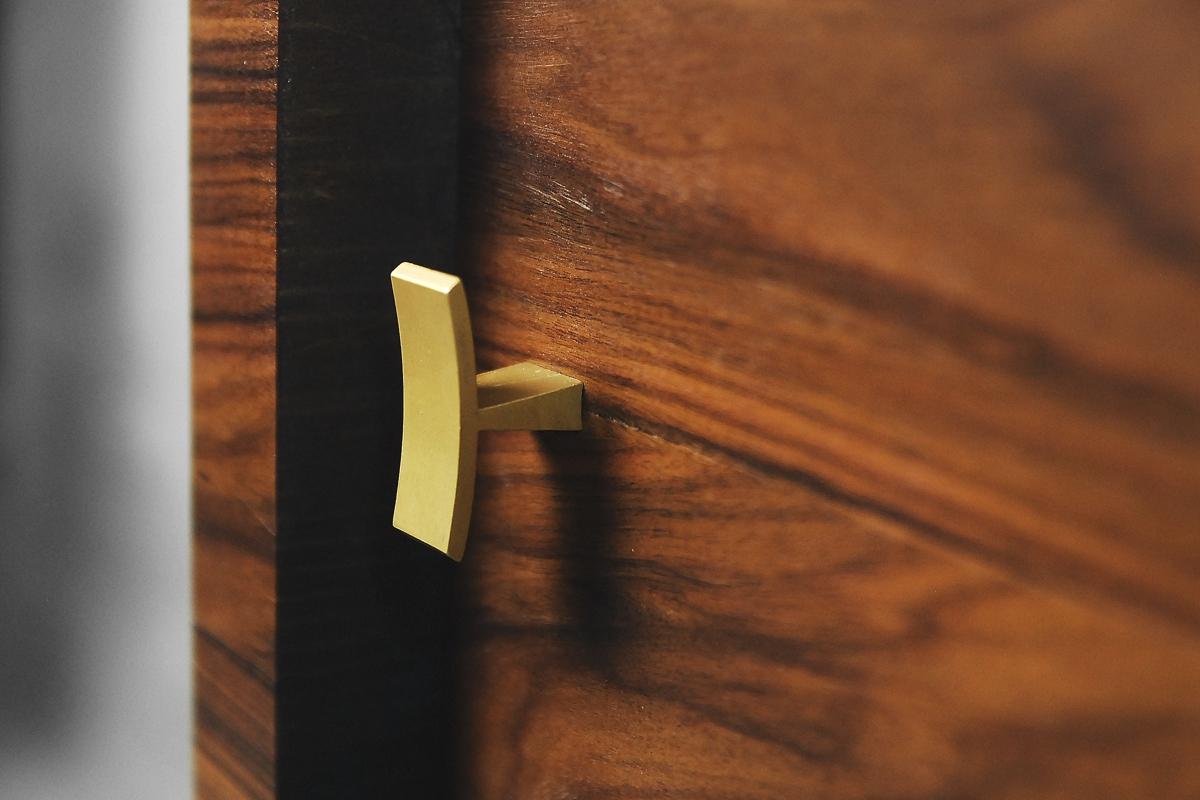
(446, 405)
(437, 461)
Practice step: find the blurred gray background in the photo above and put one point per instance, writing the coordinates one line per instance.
(94, 580)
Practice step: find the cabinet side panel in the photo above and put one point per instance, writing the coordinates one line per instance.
(234, 61)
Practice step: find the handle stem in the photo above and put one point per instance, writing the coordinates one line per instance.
(528, 397)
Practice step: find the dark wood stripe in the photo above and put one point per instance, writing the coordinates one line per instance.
(367, 174)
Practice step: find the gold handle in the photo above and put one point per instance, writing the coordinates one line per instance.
(446, 405)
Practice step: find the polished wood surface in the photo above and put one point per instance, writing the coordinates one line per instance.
(234, 56)
(889, 318)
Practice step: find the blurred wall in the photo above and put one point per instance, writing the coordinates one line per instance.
(94, 586)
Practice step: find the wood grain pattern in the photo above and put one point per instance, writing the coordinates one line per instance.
(889, 318)
(234, 60)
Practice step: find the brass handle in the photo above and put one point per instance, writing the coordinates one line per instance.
(446, 405)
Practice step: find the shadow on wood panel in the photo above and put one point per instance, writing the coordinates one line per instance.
(589, 523)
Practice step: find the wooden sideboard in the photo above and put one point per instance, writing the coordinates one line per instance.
(889, 319)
